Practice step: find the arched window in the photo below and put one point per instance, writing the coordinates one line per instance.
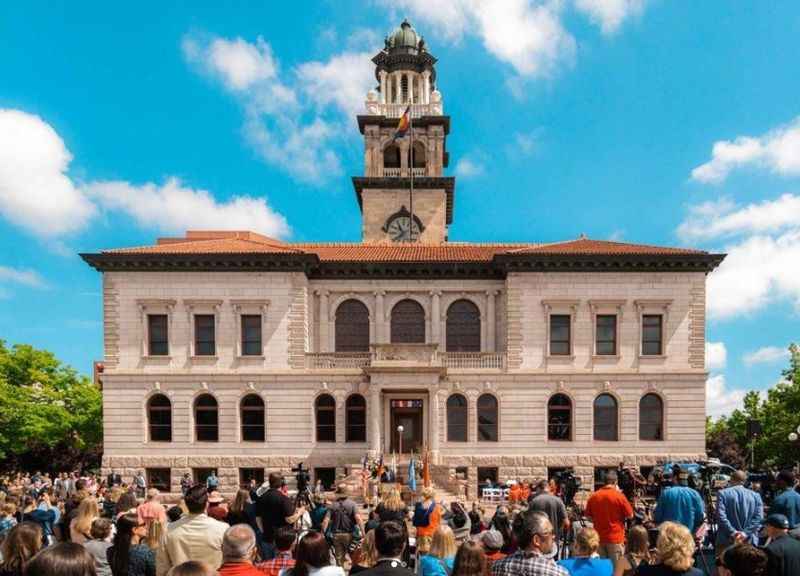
(408, 323)
(252, 413)
(159, 418)
(326, 418)
(463, 327)
(456, 418)
(606, 426)
(356, 419)
(559, 417)
(651, 417)
(487, 418)
(206, 419)
(352, 327)
(391, 157)
(417, 158)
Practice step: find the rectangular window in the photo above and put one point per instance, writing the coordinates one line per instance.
(157, 335)
(326, 476)
(159, 478)
(202, 474)
(486, 476)
(606, 334)
(204, 344)
(248, 474)
(251, 335)
(560, 325)
(652, 335)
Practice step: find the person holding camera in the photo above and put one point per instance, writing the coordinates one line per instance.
(342, 521)
(274, 510)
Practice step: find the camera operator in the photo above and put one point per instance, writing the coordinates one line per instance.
(787, 502)
(274, 510)
(609, 509)
(680, 504)
(543, 501)
(739, 513)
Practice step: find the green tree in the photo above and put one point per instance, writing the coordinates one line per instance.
(50, 416)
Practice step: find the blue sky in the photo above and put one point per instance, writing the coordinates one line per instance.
(652, 121)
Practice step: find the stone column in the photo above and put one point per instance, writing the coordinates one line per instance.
(377, 335)
(436, 321)
(374, 419)
(426, 93)
(410, 77)
(383, 87)
(398, 97)
(323, 320)
(434, 434)
(490, 321)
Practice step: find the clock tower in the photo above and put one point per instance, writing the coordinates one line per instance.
(403, 194)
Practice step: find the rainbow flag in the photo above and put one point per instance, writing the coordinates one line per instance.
(403, 125)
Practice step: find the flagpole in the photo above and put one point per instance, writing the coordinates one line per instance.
(411, 169)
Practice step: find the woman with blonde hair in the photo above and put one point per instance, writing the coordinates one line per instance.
(675, 547)
(470, 560)
(367, 554)
(585, 560)
(440, 560)
(80, 529)
(637, 552)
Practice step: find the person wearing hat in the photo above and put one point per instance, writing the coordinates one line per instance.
(492, 542)
(680, 504)
(216, 506)
(787, 501)
(783, 551)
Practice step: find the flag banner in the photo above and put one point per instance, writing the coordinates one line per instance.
(412, 479)
(406, 403)
(403, 124)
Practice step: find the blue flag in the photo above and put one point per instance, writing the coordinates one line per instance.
(412, 477)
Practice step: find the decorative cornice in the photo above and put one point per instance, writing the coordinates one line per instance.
(386, 122)
(259, 262)
(608, 262)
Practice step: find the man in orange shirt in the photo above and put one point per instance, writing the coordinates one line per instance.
(608, 509)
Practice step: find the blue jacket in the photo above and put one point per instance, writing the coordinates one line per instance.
(738, 510)
(788, 504)
(680, 504)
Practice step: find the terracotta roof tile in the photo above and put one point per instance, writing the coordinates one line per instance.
(224, 242)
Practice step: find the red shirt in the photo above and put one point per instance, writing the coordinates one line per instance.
(274, 566)
(239, 569)
(608, 508)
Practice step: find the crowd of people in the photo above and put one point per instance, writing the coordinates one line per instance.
(73, 525)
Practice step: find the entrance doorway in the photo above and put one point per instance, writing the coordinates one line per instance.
(408, 414)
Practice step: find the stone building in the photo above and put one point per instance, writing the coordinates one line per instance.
(241, 353)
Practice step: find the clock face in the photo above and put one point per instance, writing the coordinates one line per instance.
(402, 229)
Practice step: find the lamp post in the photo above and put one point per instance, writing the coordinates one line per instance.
(400, 438)
(793, 436)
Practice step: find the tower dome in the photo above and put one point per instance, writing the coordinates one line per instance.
(403, 40)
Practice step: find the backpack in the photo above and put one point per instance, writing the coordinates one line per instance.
(422, 515)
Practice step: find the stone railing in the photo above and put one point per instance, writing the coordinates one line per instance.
(398, 172)
(473, 360)
(396, 110)
(337, 360)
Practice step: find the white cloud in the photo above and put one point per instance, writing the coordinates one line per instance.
(29, 278)
(716, 355)
(174, 207)
(610, 14)
(722, 218)
(763, 247)
(468, 167)
(291, 119)
(526, 34)
(37, 194)
(35, 191)
(720, 400)
(766, 355)
(239, 63)
(778, 151)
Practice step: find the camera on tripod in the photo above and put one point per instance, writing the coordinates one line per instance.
(568, 484)
(303, 478)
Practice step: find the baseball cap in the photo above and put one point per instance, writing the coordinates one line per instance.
(777, 521)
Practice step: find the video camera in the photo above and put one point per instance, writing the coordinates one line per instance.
(568, 485)
(303, 478)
